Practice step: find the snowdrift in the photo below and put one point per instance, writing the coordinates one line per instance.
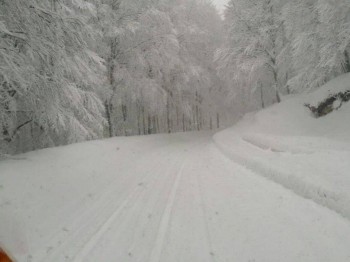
(286, 144)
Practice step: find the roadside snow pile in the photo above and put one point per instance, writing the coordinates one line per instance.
(287, 144)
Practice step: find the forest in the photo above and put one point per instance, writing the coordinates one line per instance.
(174, 130)
(76, 70)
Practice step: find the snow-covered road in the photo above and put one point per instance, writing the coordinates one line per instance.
(162, 198)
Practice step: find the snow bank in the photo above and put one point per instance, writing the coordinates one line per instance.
(286, 144)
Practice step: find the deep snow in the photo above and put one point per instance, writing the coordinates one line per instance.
(288, 145)
(157, 198)
(166, 198)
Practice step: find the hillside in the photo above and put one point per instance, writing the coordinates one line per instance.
(176, 197)
(287, 144)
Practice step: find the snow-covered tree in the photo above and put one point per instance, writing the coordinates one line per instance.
(286, 46)
(72, 70)
(319, 35)
(250, 60)
(159, 68)
(47, 87)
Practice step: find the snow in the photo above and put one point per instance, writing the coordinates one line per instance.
(157, 198)
(165, 198)
(337, 85)
(307, 155)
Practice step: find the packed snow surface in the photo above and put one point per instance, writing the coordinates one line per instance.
(187, 197)
(157, 198)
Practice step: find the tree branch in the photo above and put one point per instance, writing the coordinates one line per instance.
(17, 130)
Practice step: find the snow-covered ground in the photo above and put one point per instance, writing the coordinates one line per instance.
(157, 198)
(167, 198)
(307, 155)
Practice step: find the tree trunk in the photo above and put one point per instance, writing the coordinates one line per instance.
(193, 125)
(197, 112)
(278, 98)
(347, 62)
(183, 123)
(108, 109)
(154, 125)
(168, 114)
(109, 106)
(149, 125)
(177, 119)
(217, 121)
(138, 117)
(125, 116)
(143, 120)
(124, 112)
(262, 95)
(157, 123)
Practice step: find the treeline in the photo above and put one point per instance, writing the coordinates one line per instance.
(74, 70)
(281, 46)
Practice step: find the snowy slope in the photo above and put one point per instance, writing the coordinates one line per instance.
(307, 155)
(161, 198)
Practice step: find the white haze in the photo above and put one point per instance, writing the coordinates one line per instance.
(151, 83)
(220, 4)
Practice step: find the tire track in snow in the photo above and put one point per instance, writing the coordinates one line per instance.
(91, 243)
(131, 199)
(151, 204)
(164, 223)
(89, 217)
(106, 225)
(205, 218)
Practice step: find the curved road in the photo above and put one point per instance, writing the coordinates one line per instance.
(160, 199)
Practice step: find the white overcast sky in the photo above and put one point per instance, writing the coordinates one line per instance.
(220, 4)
